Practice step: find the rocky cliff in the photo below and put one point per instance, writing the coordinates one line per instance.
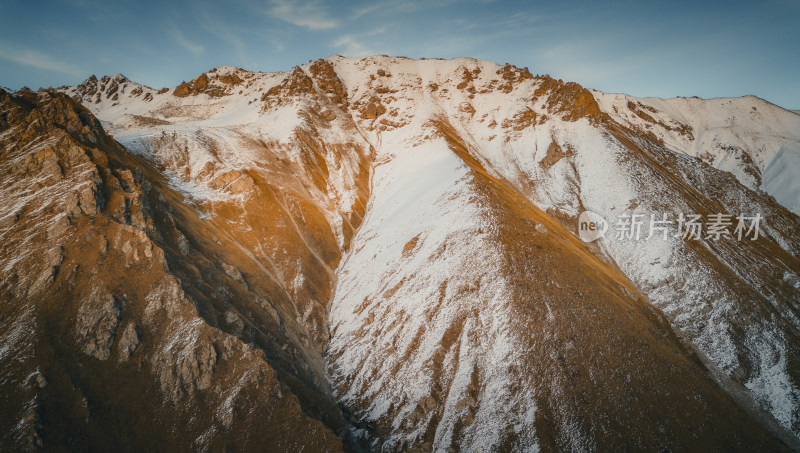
(382, 254)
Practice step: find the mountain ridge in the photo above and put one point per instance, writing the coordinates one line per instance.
(738, 153)
(396, 239)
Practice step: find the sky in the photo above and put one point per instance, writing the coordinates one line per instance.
(643, 48)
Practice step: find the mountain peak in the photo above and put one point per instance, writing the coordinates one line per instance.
(227, 69)
(217, 82)
(384, 254)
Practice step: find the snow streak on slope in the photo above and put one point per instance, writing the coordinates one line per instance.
(699, 286)
(96, 330)
(461, 321)
(594, 168)
(756, 141)
(429, 314)
(426, 295)
(284, 178)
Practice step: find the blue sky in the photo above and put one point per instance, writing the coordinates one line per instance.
(707, 49)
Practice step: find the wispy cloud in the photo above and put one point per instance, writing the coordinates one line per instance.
(352, 46)
(308, 14)
(390, 7)
(278, 45)
(226, 34)
(522, 19)
(36, 59)
(183, 41)
(358, 12)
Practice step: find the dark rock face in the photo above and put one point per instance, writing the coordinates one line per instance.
(101, 346)
(380, 256)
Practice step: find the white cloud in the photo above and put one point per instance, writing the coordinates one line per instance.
(350, 47)
(308, 14)
(226, 33)
(390, 7)
(184, 42)
(36, 59)
(278, 45)
(365, 10)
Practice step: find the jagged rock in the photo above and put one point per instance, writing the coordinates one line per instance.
(183, 243)
(234, 322)
(327, 115)
(186, 365)
(373, 109)
(330, 84)
(182, 90)
(411, 260)
(233, 273)
(167, 297)
(128, 342)
(212, 83)
(87, 201)
(77, 230)
(554, 154)
(96, 325)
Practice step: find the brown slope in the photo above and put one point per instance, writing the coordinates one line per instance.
(736, 302)
(750, 285)
(125, 320)
(596, 346)
(566, 355)
(750, 275)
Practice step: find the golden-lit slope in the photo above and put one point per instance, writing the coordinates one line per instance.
(128, 320)
(381, 254)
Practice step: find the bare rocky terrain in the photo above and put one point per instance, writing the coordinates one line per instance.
(382, 255)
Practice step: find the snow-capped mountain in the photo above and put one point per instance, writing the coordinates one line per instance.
(383, 254)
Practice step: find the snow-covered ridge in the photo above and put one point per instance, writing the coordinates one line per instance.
(556, 150)
(755, 140)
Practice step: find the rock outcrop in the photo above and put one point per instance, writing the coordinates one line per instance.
(381, 255)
